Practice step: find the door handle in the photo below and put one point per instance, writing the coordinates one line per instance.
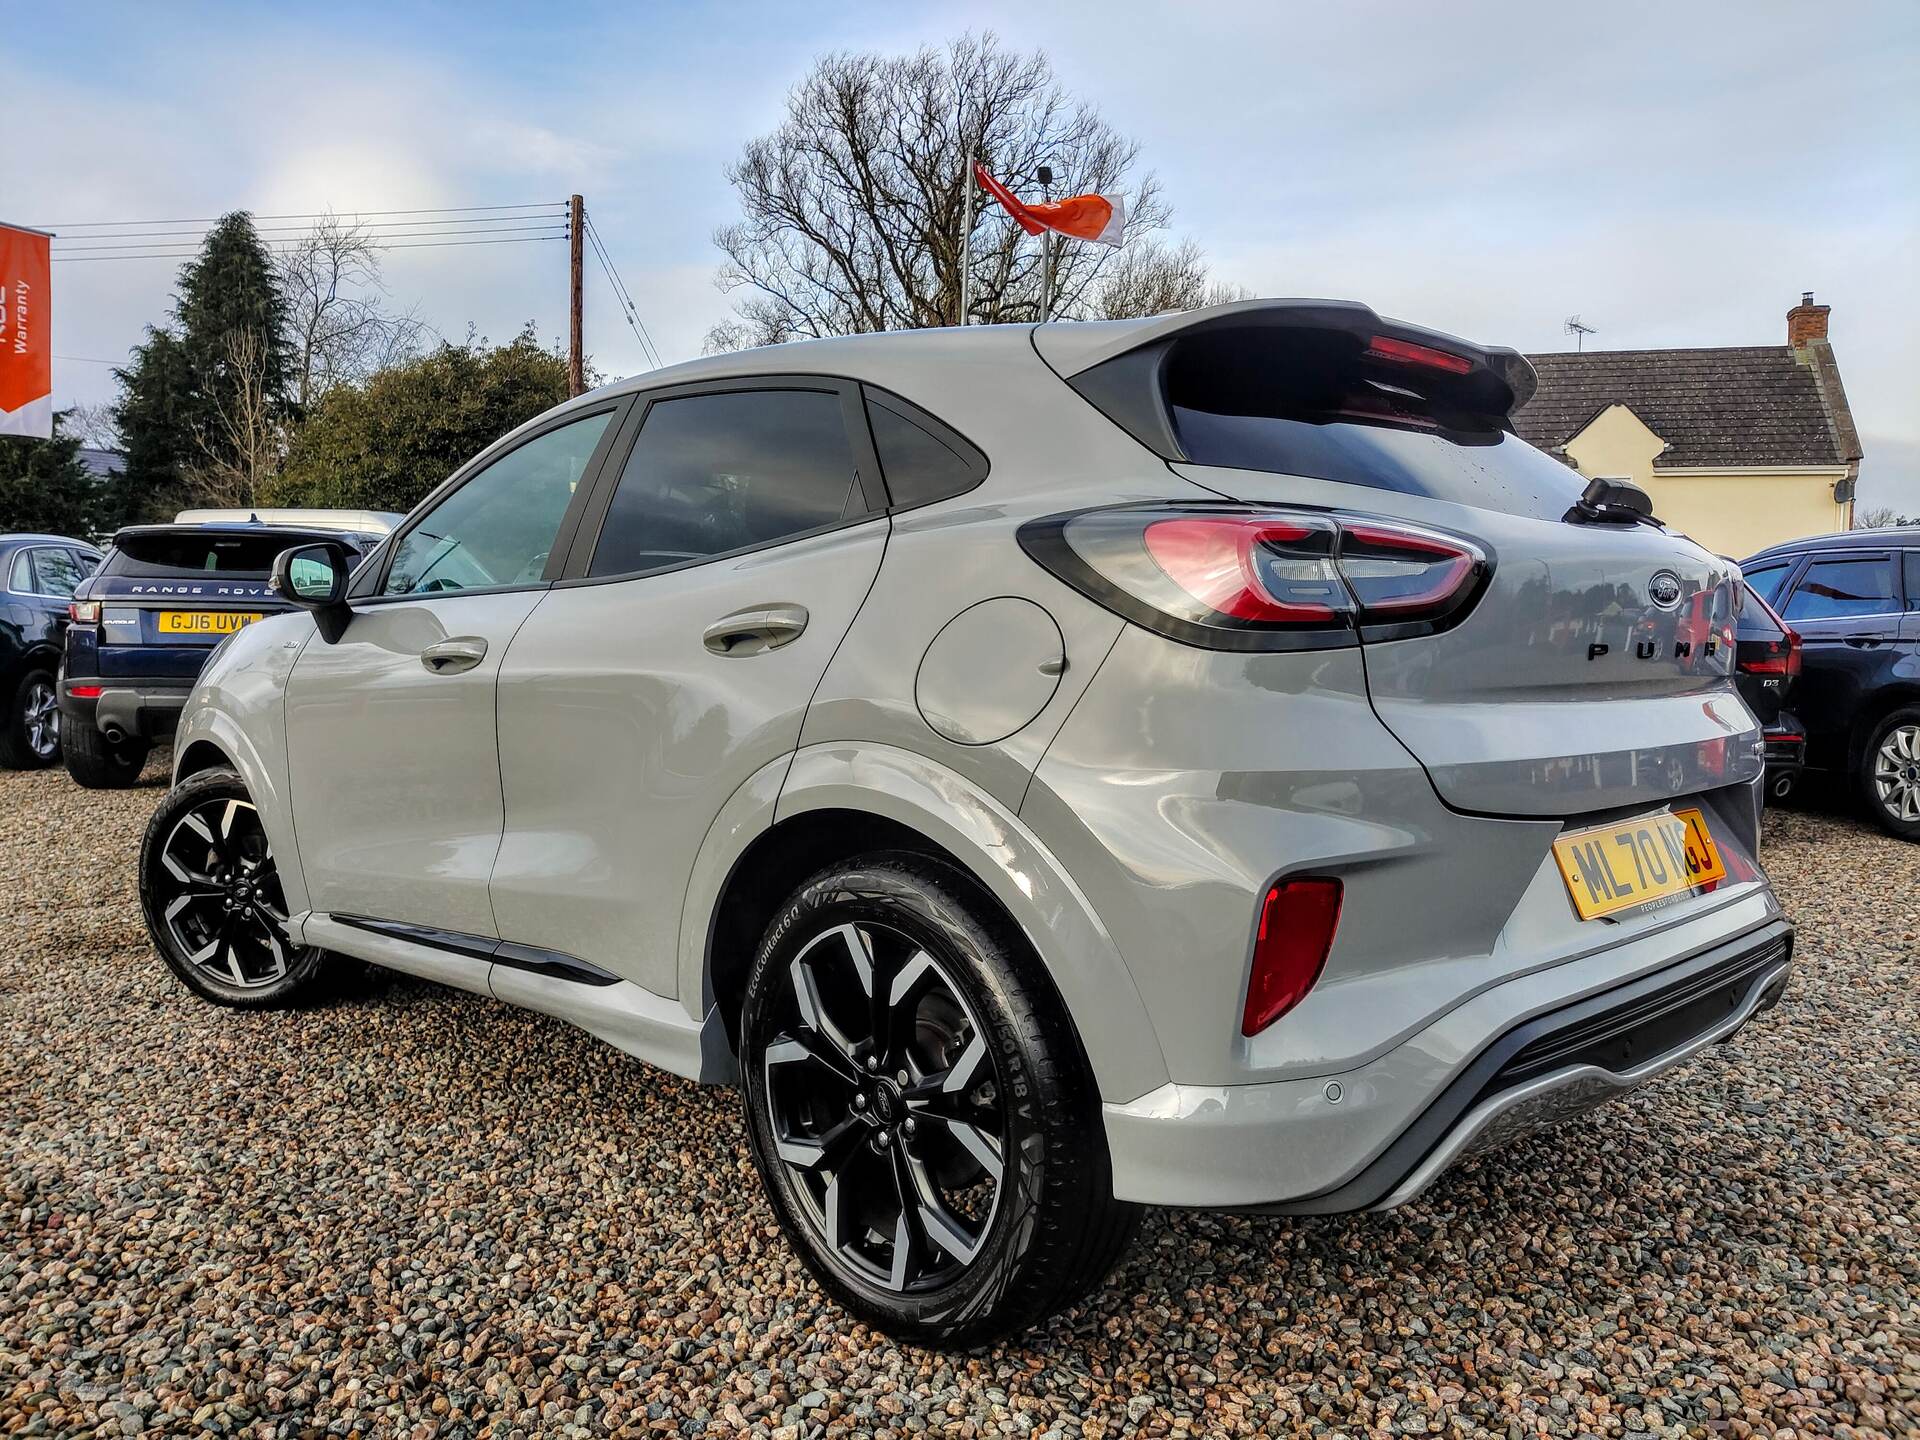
(450, 657)
(755, 631)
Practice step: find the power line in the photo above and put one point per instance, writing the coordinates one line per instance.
(621, 294)
(373, 240)
(404, 245)
(385, 227)
(310, 215)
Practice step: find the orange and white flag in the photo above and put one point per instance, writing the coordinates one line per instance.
(1099, 218)
(26, 333)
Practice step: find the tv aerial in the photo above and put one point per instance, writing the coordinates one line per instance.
(1576, 328)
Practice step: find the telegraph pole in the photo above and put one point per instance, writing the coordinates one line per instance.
(577, 255)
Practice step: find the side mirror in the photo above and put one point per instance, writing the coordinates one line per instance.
(314, 577)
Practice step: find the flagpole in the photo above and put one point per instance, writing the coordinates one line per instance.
(966, 241)
(1046, 249)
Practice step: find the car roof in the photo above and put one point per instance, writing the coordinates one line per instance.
(360, 522)
(30, 537)
(249, 527)
(1901, 536)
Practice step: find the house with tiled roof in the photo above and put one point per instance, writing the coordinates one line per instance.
(1740, 446)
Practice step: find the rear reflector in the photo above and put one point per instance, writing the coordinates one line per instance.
(1297, 921)
(84, 692)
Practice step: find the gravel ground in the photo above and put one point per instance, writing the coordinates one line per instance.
(416, 1212)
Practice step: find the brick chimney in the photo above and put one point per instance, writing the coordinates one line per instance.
(1806, 321)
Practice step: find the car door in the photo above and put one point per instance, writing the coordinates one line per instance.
(1848, 608)
(393, 762)
(728, 555)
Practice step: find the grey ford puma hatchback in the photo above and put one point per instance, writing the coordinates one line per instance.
(1202, 761)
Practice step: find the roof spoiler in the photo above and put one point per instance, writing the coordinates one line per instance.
(1118, 365)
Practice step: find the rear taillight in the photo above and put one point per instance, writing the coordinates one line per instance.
(1235, 577)
(1773, 657)
(84, 692)
(1297, 921)
(84, 612)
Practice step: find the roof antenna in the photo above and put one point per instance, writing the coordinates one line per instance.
(1575, 328)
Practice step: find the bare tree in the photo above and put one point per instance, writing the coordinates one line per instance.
(93, 423)
(1879, 517)
(853, 207)
(338, 326)
(248, 436)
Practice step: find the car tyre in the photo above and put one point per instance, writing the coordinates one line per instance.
(1888, 773)
(920, 1110)
(98, 763)
(211, 895)
(30, 729)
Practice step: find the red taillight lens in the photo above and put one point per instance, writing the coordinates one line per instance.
(1793, 653)
(1297, 921)
(1405, 352)
(1249, 577)
(1773, 657)
(1252, 568)
(84, 612)
(84, 692)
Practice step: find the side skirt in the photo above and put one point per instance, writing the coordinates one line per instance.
(627, 1016)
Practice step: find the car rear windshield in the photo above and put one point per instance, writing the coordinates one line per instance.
(1311, 403)
(174, 553)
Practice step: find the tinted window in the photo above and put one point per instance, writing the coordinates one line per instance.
(1913, 579)
(56, 573)
(498, 528)
(20, 576)
(1765, 579)
(1834, 589)
(922, 459)
(716, 473)
(175, 553)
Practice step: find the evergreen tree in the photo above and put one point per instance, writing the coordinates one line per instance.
(45, 487)
(186, 382)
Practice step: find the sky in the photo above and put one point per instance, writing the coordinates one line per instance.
(1675, 174)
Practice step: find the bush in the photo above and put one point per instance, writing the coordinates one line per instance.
(385, 442)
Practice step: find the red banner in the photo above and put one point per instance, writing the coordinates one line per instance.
(26, 333)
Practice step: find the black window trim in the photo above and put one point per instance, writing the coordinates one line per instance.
(371, 576)
(977, 461)
(1810, 558)
(593, 519)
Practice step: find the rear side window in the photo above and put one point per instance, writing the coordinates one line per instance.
(56, 573)
(1913, 579)
(922, 459)
(1766, 579)
(20, 577)
(1836, 589)
(173, 554)
(712, 474)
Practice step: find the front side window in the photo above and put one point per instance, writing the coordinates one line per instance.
(499, 527)
(1837, 589)
(55, 573)
(712, 474)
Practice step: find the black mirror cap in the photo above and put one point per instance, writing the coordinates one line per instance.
(330, 609)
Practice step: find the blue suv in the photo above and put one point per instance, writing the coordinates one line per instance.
(1854, 600)
(145, 622)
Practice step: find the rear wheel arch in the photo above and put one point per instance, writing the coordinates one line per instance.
(836, 801)
(1882, 703)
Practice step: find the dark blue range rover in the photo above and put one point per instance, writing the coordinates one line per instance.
(144, 623)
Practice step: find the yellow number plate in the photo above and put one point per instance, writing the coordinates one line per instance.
(206, 622)
(1616, 867)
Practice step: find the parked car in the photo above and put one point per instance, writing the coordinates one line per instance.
(1766, 669)
(1854, 599)
(39, 573)
(145, 622)
(1203, 761)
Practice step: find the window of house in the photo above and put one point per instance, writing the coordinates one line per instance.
(712, 474)
(499, 527)
(1838, 588)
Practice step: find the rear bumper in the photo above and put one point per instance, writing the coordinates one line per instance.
(1376, 1137)
(142, 709)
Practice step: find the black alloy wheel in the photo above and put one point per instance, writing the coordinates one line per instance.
(212, 896)
(921, 1111)
(886, 1105)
